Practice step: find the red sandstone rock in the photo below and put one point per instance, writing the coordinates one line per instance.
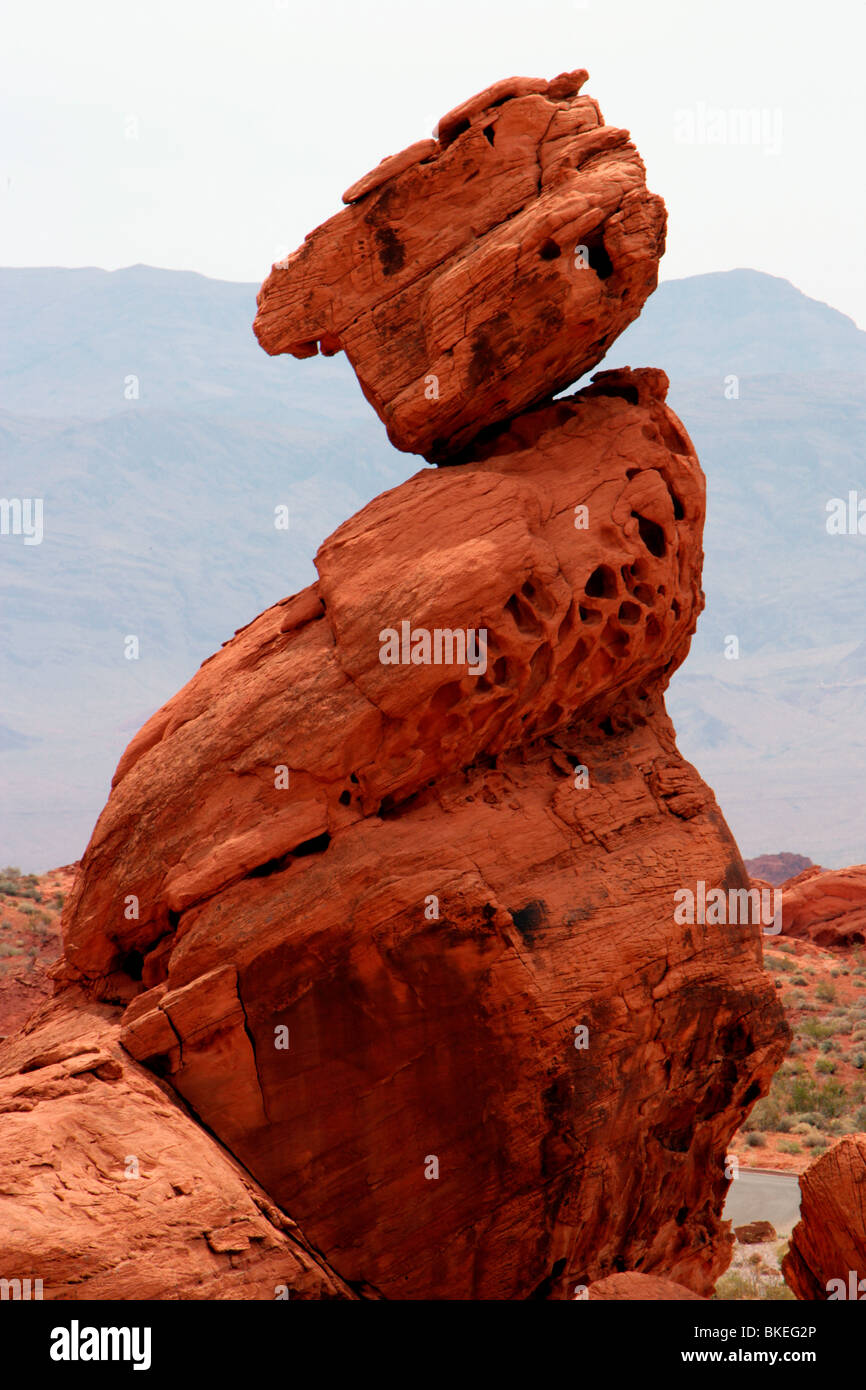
(826, 1257)
(421, 790)
(473, 276)
(631, 1286)
(111, 1190)
(402, 935)
(826, 906)
(755, 1233)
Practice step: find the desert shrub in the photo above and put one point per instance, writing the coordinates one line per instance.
(813, 1028)
(756, 1141)
(858, 1060)
(825, 1065)
(783, 1124)
(734, 1286)
(831, 1098)
(802, 1094)
(789, 1146)
(801, 980)
(764, 1115)
(825, 991)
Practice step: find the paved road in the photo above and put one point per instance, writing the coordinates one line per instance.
(756, 1196)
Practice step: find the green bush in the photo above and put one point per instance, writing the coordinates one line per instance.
(756, 1141)
(815, 1029)
(825, 991)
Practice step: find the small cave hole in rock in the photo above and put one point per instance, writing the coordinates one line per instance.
(549, 250)
(345, 798)
(489, 134)
(601, 583)
(629, 613)
(651, 534)
(317, 845)
(606, 727)
(679, 509)
(589, 615)
(173, 918)
(599, 260)
(528, 919)
(133, 964)
(271, 866)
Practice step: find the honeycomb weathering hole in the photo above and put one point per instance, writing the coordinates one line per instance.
(601, 583)
(651, 534)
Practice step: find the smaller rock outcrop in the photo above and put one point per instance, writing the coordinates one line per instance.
(632, 1287)
(826, 1259)
(755, 1233)
(826, 906)
(111, 1190)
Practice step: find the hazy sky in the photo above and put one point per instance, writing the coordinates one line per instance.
(212, 135)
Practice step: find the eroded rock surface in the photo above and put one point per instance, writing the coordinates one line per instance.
(111, 1190)
(827, 1253)
(474, 275)
(826, 906)
(433, 906)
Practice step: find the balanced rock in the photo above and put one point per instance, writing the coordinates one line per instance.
(826, 1258)
(476, 274)
(382, 906)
